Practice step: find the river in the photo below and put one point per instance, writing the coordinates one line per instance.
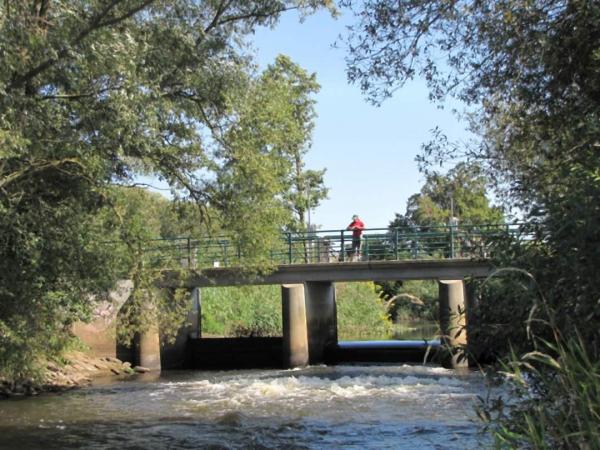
(382, 406)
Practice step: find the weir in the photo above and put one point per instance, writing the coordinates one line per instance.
(308, 264)
(309, 334)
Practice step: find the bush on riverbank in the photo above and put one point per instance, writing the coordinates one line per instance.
(410, 300)
(241, 311)
(361, 314)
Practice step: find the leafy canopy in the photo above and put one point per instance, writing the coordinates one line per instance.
(93, 94)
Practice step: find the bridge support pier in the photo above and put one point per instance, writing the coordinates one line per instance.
(453, 322)
(295, 334)
(147, 349)
(173, 355)
(320, 319)
(144, 349)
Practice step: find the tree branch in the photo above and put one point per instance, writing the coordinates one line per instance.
(32, 168)
(95, 24)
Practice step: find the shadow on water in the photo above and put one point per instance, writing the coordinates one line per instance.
(238, 433)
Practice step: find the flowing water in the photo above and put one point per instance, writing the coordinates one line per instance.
(386, 406)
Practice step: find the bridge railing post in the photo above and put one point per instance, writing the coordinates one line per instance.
(225, 255)
(396, 244)
(452, 241)
(342, 246)
(289, 240)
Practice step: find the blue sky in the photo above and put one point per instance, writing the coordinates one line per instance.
(368, 151)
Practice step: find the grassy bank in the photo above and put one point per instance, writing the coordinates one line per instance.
(256, 311)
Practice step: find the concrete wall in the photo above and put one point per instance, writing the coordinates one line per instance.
(148, 349)
(175, 355)
(100, 334)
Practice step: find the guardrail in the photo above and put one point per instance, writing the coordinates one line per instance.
(330, 246)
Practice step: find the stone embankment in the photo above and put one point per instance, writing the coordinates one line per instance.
(79, 370)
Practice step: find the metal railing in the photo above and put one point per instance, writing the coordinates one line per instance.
(331, 246)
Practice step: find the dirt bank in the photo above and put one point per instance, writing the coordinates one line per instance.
(79, 370)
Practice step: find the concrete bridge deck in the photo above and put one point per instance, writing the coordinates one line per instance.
(449, 269)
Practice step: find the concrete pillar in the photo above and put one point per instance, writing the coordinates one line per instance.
(471, 306)
(174, 354)
(195, 315)
(320, 319)
(295, 340)
(453, 322)
(148, 349)
(144, 350)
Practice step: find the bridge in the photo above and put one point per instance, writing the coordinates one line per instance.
(433, 243)
(307, 265)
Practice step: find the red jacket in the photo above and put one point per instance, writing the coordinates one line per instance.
(357, 226)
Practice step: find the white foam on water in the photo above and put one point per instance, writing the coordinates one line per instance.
(381, 406)
(321, 392)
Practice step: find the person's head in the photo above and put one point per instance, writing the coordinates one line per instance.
(355, 216)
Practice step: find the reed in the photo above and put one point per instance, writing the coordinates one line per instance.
(556, 399)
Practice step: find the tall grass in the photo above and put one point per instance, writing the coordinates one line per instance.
(241, 311)
(557, 391)
(361, 313)
(256, 311)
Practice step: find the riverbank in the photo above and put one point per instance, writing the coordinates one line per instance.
(78, 370)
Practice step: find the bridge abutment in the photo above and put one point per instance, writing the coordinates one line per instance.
(321, 318)
(295, 332)
(452, 302)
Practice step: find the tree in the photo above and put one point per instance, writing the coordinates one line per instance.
(306, 187)
(460, 193)
(262, 158)
(529, 72)
(92, 95)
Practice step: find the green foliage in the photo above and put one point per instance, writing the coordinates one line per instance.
(52, 261)
(256, 311)
(241, 311)
(557, 387)
(306, 187)
(409, 300)
(360, 313)
(461, 192)
(96, 94)
(263, 159)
